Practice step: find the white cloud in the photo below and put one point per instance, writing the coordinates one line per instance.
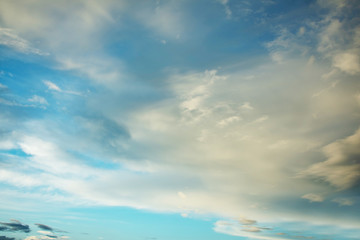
(38, 99)
(182, 195)
(248, 232)
(348, 62)
(14, 103)
(67, 30)
(301, 31)
(9, 38)
(312, 197)
(52, 86)
(31, 238)
(247, 106)
(229, 120)
(45, 232)
(329, 37)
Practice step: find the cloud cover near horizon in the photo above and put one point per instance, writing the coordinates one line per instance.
(230, 110)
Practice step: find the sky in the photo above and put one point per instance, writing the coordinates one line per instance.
(179, 120)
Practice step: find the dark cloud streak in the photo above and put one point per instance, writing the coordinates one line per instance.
(44, 227)
(14, 227)
(6, 238)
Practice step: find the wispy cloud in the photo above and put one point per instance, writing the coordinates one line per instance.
(52, 86)
(9, 38)
(227, 9)
(38, 99)
(312, 197)
(344, 201)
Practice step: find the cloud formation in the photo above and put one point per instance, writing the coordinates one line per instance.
(15, 226)
(342, 166)
(6, 238)
(312, 197)
(222, 135)
(44, 227)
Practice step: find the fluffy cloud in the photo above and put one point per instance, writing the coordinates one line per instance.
(348, 62)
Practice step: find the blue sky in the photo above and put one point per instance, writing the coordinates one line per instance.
(151, 120)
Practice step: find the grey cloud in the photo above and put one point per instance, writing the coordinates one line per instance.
(103, 132)
(6, 238)
(342, 167)
(44, 227)
(51, 236)
(15, 226)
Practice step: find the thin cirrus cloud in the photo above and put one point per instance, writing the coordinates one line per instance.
(268, 136)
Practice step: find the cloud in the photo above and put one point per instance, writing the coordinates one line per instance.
(14, 103)
(348, 62)
(47, 23)
(251, 229)
(172, 147)
(9, 38)
(342, 166)
(165, 19)
(227, 9)
(344, 201)
(245, 221)
(228, 121)
(38, 99)
(15, 226)
(312, 197)
(44, 227)
(6, 238)
(52, 86)
(251, 232)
